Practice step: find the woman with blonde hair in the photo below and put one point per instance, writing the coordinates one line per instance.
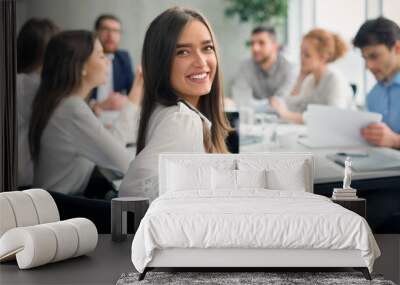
(323, 85)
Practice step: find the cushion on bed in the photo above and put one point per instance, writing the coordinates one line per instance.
(227, 181)
(293, 180)
(184, 174)
(188, 172)
(251, 178)
(223, 179)
(188, 177)
(233, 180)
(281, 174)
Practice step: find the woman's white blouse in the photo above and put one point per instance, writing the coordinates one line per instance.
(171, 129)
(75, 141)
(332, 89)
(27, 85)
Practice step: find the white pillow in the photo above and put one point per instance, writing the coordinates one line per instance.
(282, 174)
(188, 177)
(223, 179)
(237, 179)
(293, 179)
(251, 178)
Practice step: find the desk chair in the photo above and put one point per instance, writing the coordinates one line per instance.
(354, 88)
(232, 141)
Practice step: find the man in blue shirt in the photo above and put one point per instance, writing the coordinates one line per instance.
(379, 41)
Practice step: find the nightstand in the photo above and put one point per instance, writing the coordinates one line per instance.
(119, 208)
(358, 205)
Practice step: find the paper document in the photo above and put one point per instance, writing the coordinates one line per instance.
(329, 126)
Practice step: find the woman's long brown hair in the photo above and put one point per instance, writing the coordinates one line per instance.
(157, 56)
(63, 62)
(32, 41)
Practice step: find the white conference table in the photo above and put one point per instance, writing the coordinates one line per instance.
(285, 138)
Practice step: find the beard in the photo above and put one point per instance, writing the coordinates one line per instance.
(387, 71)
(263, 60)
(110, 47)
(110, 50)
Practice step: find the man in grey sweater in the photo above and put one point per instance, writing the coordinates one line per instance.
(266, 74)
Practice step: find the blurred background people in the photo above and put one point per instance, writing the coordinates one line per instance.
(379, 41)
(32, 41)
(323, 84)
(112, 94)
(69, 145)
(266, 74)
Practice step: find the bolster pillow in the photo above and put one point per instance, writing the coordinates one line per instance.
(40, 244)
(26, 208)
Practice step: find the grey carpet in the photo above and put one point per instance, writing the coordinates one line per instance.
(269, 278)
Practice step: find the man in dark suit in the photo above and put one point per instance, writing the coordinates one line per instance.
(111, 96)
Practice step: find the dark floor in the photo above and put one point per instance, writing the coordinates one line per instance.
(110, 260)
(103, 266)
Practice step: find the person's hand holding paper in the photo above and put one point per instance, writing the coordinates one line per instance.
(381, 135)
(329, 126)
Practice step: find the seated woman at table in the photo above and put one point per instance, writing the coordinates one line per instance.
(67, 141)
(182, 109)
(323, 84)
(32, 41)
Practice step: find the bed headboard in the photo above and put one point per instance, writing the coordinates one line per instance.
(285, 164)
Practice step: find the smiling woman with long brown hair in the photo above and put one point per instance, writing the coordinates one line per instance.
(182, 107)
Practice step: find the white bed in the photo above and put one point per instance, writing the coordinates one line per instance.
(203, 220)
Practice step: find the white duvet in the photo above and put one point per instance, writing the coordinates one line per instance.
(250, 219)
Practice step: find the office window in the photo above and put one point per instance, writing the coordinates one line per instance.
(391, 10)
(341, 16)
(345, 17)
